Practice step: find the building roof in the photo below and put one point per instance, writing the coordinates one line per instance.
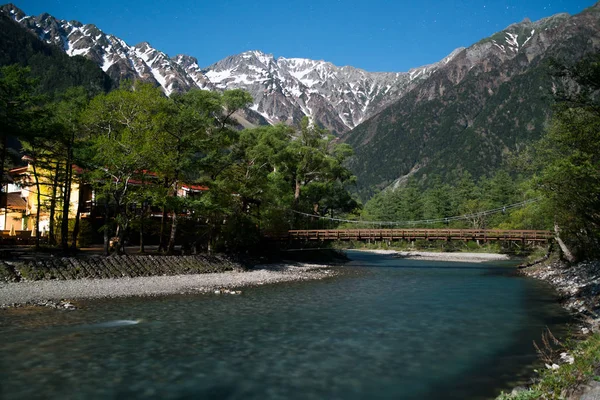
(21, 171)
(17, 171)
(194, 188)
(13, 201)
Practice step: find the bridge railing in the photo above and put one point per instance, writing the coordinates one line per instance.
(414, 234)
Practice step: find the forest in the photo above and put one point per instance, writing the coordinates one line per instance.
(140, 150)
(555, 182)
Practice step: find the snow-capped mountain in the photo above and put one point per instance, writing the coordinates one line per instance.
(284, 89)
(118, 59)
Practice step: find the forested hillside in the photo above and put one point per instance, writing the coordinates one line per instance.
(50, 65)
(488, 101)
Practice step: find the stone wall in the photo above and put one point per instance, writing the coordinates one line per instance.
(113, 267)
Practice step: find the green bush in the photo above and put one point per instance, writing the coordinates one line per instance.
(557, 384)
(86, 233)
(529, 394)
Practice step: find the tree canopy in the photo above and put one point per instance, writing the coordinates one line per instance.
(569, 156)
(182, 157)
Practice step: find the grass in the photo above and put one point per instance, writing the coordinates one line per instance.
(528, 394)
(536, 254)
(559, 383)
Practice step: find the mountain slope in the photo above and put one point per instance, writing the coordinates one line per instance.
(491, 98)
(116, 58)
(54, 69)
(284, 90)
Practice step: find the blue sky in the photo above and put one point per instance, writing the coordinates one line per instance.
(376, 35)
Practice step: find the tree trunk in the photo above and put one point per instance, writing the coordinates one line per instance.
(51, 227)
(3, 159)
(173, 234)
(77, 218)
(563, 247)
(142, 235)
(106, 227)
(171, 247)
(121, 234)
(297, 192)
(142, 215)
(162, 245)
(64, 231)
(37, 211)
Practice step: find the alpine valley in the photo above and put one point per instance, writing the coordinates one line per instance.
(480, 102)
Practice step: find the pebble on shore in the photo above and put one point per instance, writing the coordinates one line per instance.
(579, 286)
(229, 282)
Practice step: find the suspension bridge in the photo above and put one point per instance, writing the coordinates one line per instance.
(390, 235)
(387, 232)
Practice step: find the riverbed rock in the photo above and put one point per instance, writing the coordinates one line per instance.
(589, 391)
(518, 390)
(579, 285)
(567, 358)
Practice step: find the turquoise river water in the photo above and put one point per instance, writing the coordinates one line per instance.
(386, 328)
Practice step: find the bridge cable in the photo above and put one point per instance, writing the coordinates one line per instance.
(501, 209)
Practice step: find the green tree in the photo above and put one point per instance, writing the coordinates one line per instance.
(198, 137)
(124, 128)
(570, 156)
(411, 204)
(17, 103)
(255, 175)
(437, 202)
(67, 118)
(38, 146)
(315, 163)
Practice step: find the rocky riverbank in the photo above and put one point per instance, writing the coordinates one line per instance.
(440, 256)
(572, 371)
(579, 287)
(51, 292)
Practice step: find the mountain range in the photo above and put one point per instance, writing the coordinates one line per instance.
(284, 89)
(490, 100)
(463, 113)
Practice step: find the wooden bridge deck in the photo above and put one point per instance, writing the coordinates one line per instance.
(484, 235)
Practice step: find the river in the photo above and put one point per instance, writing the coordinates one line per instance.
(385, 328)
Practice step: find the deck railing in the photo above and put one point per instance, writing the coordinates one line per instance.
(415, 234)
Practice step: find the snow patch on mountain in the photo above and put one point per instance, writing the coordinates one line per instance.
(529, 37)
(283, 89)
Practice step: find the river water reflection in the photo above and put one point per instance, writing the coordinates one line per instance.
(386, 328)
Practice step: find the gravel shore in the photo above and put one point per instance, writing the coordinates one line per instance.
(578, 285)
(32, 292)
(433, 256)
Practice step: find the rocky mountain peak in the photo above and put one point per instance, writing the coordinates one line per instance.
(11, 9)
(184, 59)
(284, 89)
(143, 46)
(258, 56)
